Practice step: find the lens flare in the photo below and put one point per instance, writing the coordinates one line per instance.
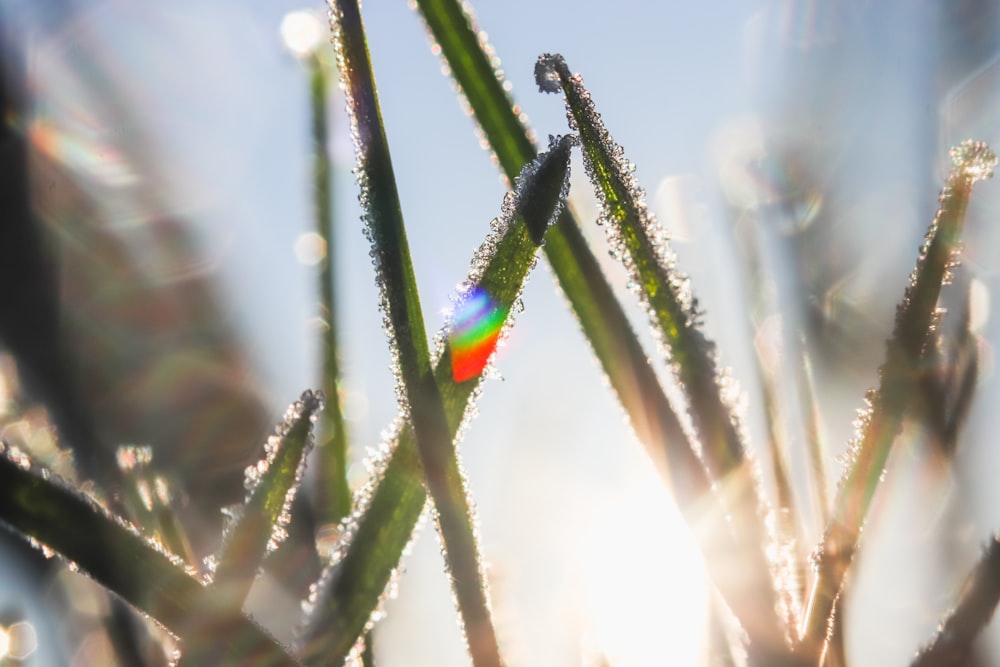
(478, 321)
(82, 154)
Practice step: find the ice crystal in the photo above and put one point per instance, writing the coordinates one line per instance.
(973, 160)
(308, 406)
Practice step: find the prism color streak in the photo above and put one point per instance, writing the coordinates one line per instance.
(474, 335)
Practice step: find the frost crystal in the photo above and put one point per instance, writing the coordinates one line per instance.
(973, 160)
(547, 74)
(310, 403)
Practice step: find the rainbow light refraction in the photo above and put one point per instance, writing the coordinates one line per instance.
(477, 325)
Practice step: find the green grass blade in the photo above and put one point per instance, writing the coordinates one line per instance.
(112, 552)
(953, 643)
(579, 275)
(641, 244)
(600, 315)
(881, 423)
(593, 301)
(333, 490)
(391, 504)
(401, 305)
(258, 529)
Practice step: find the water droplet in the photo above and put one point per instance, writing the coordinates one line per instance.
(163, 494)
(15, 455)
(145, 495)
(133, 457)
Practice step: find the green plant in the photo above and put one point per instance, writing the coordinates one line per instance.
(712, 478)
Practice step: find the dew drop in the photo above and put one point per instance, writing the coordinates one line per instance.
(133, 457)
(15, 455)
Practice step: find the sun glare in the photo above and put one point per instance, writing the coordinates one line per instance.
(645, 585)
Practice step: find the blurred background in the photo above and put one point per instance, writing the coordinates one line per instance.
(160, 288)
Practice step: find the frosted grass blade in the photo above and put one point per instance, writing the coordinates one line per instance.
(882, 420)
(258, 529)
(111, 551)
(333, 490)
(472, 64)
(786, 522)
(346, 600)
(641, 244)
(419, 394)
(600, 315)
(953, 643)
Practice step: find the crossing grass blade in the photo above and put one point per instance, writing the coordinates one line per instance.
(580, 278)
(401, 305)
(579, 275)
(113, 554)
(377, 535)
(258, 529)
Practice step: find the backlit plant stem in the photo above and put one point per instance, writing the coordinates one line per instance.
(899, 374)
(422, 396)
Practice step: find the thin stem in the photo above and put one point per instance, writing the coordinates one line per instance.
(899, 375)
(333, 490)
